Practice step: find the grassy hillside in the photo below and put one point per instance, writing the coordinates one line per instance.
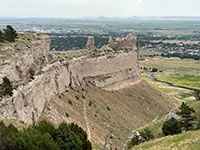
(179, 72)
(185, 141)
(111, 114)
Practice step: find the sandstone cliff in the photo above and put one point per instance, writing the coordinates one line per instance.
(111, 112)
(28, 54)
(29, 100)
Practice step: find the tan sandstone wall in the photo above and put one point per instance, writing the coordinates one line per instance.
(30, 56)
(28, 101)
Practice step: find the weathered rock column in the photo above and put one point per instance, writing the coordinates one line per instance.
(90, 43)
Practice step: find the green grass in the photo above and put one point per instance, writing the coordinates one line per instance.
(187, 80)
(185, 72)
(185, 141)
(156, 126)
(173, 65)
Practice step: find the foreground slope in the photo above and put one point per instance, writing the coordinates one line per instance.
(111, 114)
(185, 141)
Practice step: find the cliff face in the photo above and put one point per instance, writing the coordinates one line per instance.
(28, 101)
(24, 57)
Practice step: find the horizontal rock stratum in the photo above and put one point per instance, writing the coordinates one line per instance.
(30, 98)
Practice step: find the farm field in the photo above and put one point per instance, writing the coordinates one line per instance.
(181, 72)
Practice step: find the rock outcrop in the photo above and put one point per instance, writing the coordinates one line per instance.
(128, 43)
(90, 43)
(25, 58)
(28, 101)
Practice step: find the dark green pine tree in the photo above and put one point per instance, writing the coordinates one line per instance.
(187, 116)
(67, 139)
(10, 34)
(86, 144)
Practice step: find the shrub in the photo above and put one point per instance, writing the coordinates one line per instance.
(6, 87)
(171, 127)
(147, 134)
(90, 103)
(134, 141)
(77, 97)
(143, 136)
(66, 114)
(154, 70)
(197, 94)
(108, 108)
(31, 73)
(70, 102)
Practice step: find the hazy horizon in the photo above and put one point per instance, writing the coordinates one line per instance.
(98, 8)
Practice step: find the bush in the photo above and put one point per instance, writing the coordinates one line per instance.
(154, 70)
(31, 73)
(197, 94)
(147, 134)
(70, 102)
(171, 127)
(6, 87)
(134, 141)
(143, 136)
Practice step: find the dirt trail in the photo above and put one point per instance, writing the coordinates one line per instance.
(85, 110)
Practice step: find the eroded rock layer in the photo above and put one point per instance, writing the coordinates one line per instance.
(29, 100)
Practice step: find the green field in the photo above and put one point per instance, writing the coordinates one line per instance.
(187, 80)
(173, 65)
(181, 72)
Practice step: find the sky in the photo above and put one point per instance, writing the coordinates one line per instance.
(96, 8)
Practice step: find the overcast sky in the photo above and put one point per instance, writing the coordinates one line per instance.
(95, 8)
